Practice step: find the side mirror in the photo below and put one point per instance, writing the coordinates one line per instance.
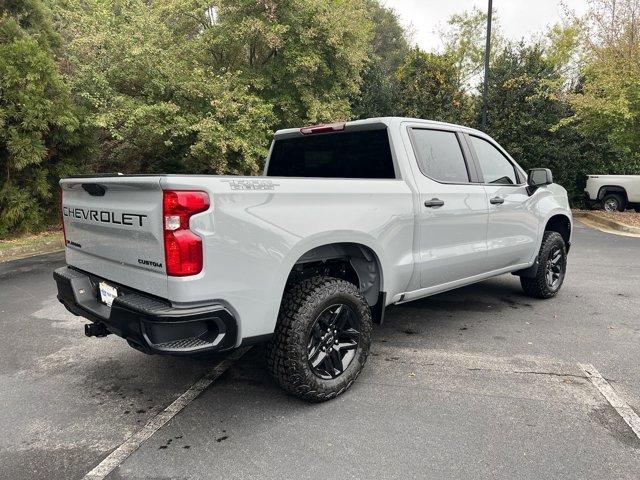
(539, 177)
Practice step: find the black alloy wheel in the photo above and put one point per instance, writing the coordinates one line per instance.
(551, 268)
(554, 269)
(333, 341)
(322, 338)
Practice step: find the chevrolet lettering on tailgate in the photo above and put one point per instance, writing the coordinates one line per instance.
(104, 216)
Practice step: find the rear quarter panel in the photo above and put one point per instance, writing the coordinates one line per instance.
(631, 184)
(259, 227)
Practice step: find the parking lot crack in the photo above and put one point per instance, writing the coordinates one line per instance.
(528, 372)
(553, 374)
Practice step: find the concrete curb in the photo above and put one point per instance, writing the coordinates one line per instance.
(607, 223)
(25, 251)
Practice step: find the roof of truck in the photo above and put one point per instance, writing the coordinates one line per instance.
(389, 121)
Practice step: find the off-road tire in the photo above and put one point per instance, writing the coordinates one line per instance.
(621, 204)
(538, 286)
(287, 355)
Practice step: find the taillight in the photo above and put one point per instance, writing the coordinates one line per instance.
(182, 247)
(64, 232)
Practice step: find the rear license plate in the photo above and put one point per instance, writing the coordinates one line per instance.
(107, 293)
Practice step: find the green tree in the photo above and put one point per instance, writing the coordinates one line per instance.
(198, 86)
(143, 70)
(39, 125)
(465, 40)
(388, 47)
(304, 57)
(430, 88)
(527, 105)
(607, 103)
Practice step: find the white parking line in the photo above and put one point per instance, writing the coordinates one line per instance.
(121, 453)
(623, 409)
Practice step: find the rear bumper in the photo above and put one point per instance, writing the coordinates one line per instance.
(150, 324)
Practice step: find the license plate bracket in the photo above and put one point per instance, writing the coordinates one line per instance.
(107, 293)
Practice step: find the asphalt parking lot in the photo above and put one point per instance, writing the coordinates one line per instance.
(477, 383)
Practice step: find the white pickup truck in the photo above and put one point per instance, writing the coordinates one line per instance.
(348, 219)
(615, 192)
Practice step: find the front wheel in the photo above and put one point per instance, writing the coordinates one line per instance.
(322, 338)
(552, 266)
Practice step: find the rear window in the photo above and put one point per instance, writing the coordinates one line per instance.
(439, 156)
(360, 154)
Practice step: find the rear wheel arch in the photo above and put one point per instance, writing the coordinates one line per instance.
(354, 262)
(609, 189)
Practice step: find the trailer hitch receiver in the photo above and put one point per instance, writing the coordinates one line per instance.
(96, 330)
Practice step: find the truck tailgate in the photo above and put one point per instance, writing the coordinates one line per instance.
(113, 228)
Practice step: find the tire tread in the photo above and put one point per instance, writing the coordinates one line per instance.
(283, 350)
(536, 287)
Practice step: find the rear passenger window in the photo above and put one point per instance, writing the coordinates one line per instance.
(440, 156)
(359, 154)
(495, 167)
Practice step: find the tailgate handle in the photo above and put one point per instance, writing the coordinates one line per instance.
(94, 189)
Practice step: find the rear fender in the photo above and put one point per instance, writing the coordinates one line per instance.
(607, 189)
(328, 238)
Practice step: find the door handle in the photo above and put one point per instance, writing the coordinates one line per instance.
(434, 202)
(496, 201)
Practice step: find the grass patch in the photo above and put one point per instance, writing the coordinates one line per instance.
(27, 245)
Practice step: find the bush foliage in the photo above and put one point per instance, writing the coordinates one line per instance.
(39, 123)
(199, 86)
